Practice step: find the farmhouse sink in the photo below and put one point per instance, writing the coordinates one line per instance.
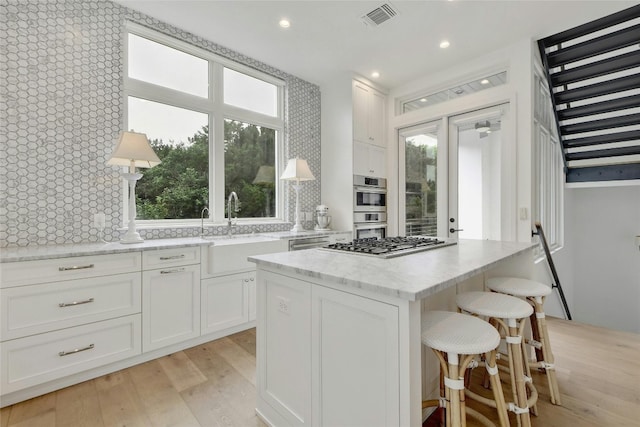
(230, 254)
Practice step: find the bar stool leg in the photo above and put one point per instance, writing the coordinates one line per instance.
(498, 395)
(514, 345)
(548, 363)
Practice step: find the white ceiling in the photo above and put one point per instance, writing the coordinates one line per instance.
(329, 37)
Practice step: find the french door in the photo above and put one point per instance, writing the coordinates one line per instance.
(457, 176)
(422, 195)
(481, 175)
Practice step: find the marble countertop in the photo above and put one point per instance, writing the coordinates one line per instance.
(409, 277)
(33, 253)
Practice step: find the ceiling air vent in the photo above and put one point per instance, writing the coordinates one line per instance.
(379, 15)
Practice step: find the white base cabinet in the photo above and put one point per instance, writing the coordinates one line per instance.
(39, 358)
(170, 306)
(225, 301)
(325, 357)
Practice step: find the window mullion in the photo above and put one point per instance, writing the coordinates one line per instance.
(216, 147)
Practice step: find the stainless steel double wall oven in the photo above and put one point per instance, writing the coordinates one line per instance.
(369, 207)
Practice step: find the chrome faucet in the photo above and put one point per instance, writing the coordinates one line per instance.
(233, 196)
(206, 209)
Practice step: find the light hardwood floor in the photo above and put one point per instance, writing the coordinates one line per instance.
(214, 385)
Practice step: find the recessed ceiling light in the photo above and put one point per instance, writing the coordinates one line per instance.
(423, 99)
(444, 44)
(284, 23)
(484, 82)
(375, 74)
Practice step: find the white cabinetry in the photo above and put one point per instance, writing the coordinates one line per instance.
(369, 145)
(67, 315)
(170, 297)
(368, 115)
(359, 361)
(227, 301)
(336, 374)
(369, 160)
(228, 291)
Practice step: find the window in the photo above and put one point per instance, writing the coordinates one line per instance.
(215, 125)
(548, 169)
(428, 99)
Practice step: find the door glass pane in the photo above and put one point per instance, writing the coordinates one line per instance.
(164, 66)
(479, 183)
(421, 152)
(177, 188)
(249, 168)
(244, 91)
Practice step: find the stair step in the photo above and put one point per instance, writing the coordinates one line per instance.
(609, 152)
(603, 44)
(593, 26)
(600, 107)
(597, 69)
(611, 86)
(609, 138)
(610, 123)
(604, 173)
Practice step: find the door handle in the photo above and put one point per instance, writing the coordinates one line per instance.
(453, 230)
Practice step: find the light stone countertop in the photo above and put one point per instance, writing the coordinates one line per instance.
(33, 253)
(410, 277)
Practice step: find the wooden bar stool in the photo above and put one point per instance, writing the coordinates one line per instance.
(507, 314)
(535, 293)
(456, 339)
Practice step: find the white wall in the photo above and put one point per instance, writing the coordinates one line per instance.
(599, 267)
(517, 58)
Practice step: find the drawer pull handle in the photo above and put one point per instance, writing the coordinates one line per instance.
(75, 267)
(77, 350)
(167, 258)
(177, 270)
(71, 304)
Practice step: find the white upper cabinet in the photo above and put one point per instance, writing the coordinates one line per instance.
(369, 160)
(368, 115)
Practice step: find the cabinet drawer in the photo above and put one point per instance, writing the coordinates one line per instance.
(29, 310)
(55, 270)
(40, 358)
(170, 257)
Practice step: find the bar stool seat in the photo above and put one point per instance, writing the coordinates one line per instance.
(518, 287)
(535, 293)
(456, 339)
(507, 313)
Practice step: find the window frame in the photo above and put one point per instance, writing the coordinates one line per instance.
(548, 167)
(217, 112)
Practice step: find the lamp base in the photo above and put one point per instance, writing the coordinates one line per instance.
(131, 238)
(297, 228)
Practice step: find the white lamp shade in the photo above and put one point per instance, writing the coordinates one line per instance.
(133, 147)
(297, 170)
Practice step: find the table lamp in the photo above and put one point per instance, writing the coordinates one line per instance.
(297, 170)
(133, 150)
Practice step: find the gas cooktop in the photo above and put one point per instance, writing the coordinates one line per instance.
(389, 247)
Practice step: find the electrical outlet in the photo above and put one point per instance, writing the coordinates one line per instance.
(283, 305)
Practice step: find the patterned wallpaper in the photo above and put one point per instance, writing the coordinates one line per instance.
(61, 93)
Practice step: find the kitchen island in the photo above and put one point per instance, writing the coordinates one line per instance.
(338, 334)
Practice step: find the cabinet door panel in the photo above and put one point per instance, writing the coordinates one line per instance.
(224, 302)
(284, 347)
(378, 161)
(361, 159)
(360, 112)
(170, 306)
(376, 119)
(359, 361)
